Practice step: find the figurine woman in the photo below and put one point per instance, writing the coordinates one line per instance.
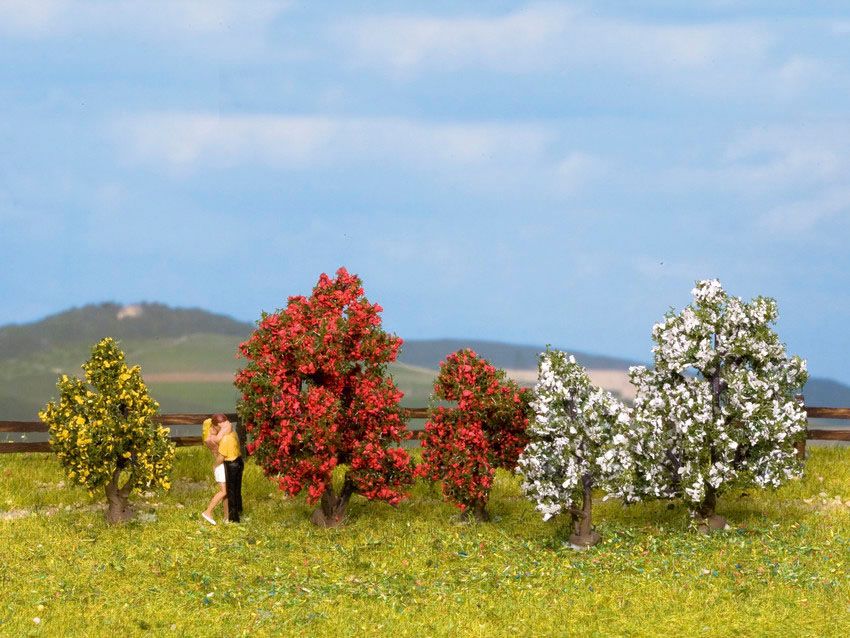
(228, 447)
(211, 430)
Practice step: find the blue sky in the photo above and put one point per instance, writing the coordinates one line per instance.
(527, 172)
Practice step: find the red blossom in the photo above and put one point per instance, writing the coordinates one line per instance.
(464, 445)
(315, 394)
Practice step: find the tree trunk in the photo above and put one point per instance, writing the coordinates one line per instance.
(331, 510)
(476, 512)
(584, 535)
(119, 509)
(707, 519)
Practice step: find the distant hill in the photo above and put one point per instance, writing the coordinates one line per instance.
(192, 373)
(188, 357)
(90, 323)
(427, 353)
(826, 393)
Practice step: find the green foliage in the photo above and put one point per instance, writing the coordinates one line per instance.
(106, 423)
(414, 570)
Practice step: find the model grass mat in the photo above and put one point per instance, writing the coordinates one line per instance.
(782, 567)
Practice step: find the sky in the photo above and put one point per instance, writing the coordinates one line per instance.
(526, 172)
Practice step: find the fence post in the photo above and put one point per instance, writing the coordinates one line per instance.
(800, 445)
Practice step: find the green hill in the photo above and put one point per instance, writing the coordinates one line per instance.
(192, 373)
(188, 357)
(90, 323)
(428, 353)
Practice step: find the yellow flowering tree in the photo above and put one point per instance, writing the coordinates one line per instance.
(103, 429)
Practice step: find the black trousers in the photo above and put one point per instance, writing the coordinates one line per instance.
(233, 485)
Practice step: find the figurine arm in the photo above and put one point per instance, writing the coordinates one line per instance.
(222, 432)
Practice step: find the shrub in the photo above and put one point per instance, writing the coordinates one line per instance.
(316, 395)
(104, 426)
(571, 447)
(718, 409)
(464, 445)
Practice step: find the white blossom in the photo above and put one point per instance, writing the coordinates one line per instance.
(572, 435)
(718, 407)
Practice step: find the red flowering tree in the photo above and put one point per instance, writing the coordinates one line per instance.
(464, 445)
(316, 395)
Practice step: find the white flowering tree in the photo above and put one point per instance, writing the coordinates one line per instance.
(719, 406)
(575, 443)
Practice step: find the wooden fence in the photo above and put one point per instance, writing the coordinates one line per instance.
(838, 434)
(22, 427)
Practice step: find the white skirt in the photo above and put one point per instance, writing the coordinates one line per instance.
(218, 473)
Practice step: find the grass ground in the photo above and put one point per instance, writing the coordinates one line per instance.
(781, 570)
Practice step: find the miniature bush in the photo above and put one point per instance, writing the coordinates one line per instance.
(571, 448)
(104, 427)
(316, 395)
(464, 445)
(718, 408)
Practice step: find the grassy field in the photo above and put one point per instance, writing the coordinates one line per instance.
(415, 570)
(27, 385)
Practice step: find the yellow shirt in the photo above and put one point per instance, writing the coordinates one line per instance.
(228, 447)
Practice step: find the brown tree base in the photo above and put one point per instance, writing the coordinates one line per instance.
(332, 507)
(119, 513)
(711, 524)
(585, 541)
(118, 508)
(476, 513)
(320, 519)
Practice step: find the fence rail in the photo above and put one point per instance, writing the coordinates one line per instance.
(838, 434)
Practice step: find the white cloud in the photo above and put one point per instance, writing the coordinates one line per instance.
(225, 24)
(187, 140)
(774, 160)
(786, 178)
(840, 27)
(547, 37)
(510, 42)
(577, 169)
(803, 215)
(25, 17)
(786, 156)
(485, 154)
(798, 73)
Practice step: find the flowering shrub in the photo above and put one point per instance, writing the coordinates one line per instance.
(464, 445)
(572, 443)
(104, 426)
(315, 395)
(718, 408)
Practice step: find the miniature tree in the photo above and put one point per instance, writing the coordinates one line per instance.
(316, 395)
(571, 448)
(464, 445)
(718, 408)
(104, 427)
